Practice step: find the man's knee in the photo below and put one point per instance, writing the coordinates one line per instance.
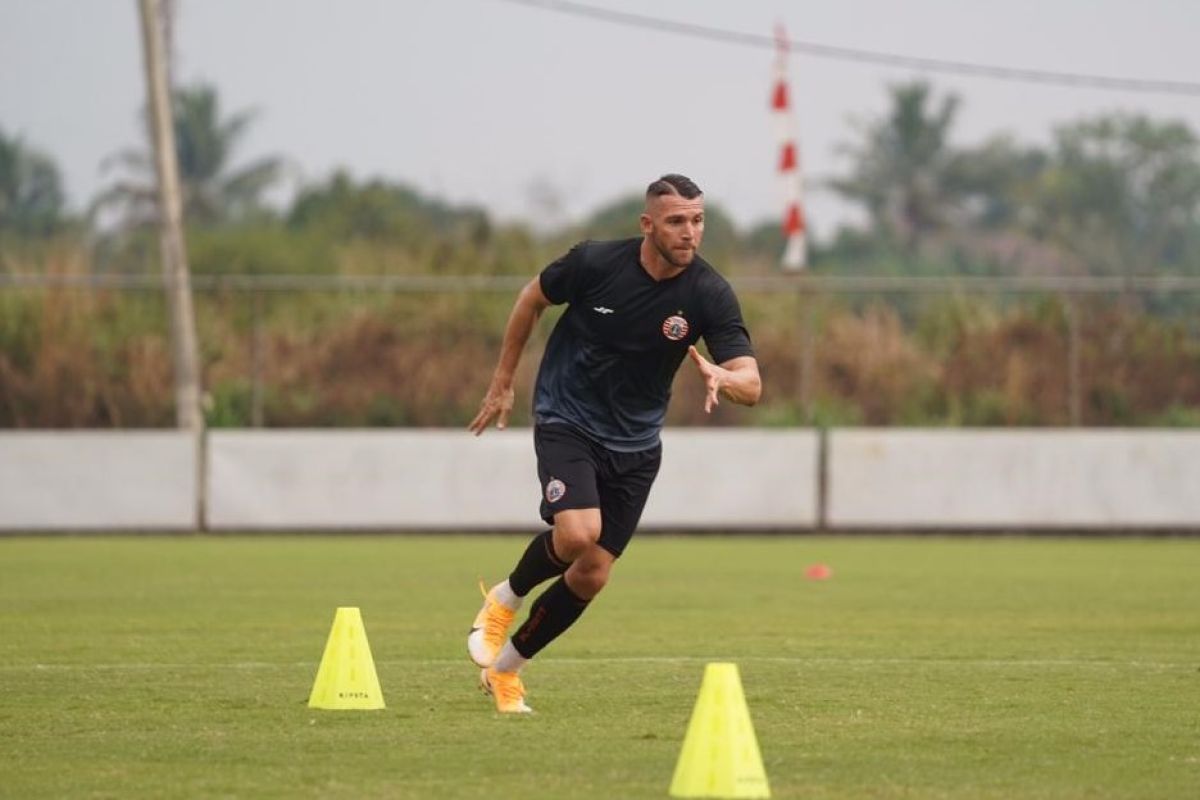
(575, 531)
(588, 575)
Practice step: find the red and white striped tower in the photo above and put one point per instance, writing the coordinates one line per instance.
(791, 180)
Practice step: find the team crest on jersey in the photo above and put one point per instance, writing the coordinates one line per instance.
(675, 327)
(555, 490)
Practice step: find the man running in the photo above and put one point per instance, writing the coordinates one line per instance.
(636, 308)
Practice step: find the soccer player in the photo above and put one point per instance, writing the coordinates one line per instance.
(635, 310)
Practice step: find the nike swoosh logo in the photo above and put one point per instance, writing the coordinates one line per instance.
(602, 310)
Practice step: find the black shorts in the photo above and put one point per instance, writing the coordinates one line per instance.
(576, 472)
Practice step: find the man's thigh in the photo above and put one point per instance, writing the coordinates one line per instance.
(567, 470)
(624, 487)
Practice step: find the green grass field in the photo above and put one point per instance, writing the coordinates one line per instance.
(925, 668)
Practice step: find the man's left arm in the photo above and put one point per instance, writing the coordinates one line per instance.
(737, 379)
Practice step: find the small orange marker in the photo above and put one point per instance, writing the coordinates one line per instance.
(819, 572)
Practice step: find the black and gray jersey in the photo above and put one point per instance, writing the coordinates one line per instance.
(613, 354)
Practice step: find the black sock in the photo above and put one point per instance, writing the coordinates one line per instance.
(538, 563)
(552, 613)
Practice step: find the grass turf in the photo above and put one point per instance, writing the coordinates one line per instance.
(926, 667)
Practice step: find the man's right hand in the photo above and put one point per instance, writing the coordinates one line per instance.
(496, 405)
(498, 402)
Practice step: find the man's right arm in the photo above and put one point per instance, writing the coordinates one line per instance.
(498, 402)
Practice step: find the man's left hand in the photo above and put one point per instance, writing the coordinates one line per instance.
(714, 378)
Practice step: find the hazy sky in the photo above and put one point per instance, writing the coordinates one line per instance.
(500, 104)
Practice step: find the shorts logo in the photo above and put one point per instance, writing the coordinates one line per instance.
(675, 327)
(555, 490)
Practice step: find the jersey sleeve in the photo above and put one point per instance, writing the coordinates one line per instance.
(725, 333)
(563, 279)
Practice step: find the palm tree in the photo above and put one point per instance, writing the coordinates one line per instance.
(204, 143)
(31, 194)
(904, 170)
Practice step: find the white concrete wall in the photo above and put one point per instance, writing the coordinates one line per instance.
(711, 478)
(1014, 478)
(731, 478)
(372, 479)
(450, 479)
(97, 480)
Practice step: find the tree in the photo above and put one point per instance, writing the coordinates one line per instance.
(388, 226)
(31, 194)
(379, 210)
(904, 171)
(1123, 192)
(205, 142)
(995, 184)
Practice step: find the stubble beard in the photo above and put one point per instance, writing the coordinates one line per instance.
(670, 257)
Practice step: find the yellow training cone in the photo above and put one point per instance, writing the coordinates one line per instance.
(346, 678)
(720, 756)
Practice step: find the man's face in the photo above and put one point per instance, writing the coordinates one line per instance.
(675, 226)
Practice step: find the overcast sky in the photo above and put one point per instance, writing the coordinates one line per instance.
(501, 104)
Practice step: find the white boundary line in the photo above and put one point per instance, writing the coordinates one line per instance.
(795, 660)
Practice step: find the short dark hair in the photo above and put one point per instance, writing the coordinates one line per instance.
(672, 183)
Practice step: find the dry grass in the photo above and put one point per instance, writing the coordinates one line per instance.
(80, 358)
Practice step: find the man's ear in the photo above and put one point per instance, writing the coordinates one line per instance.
(646, 223)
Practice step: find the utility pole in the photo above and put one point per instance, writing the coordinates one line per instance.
(177, 281)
